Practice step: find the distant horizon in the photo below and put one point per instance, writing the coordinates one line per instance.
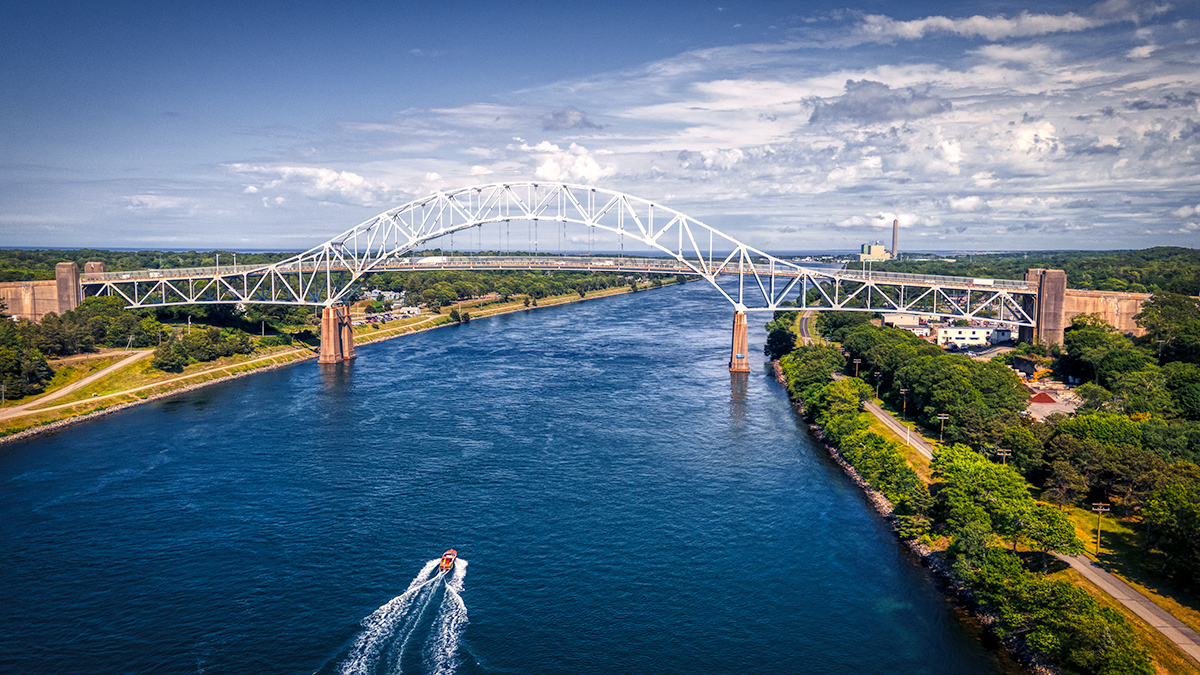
(613, 252)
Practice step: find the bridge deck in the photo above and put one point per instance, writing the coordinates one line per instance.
(576, 264)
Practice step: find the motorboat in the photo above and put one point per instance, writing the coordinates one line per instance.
(448, 560)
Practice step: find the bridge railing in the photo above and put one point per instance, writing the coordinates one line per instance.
(933, 280)
(595, 263)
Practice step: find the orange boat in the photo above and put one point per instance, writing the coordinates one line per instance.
(448, 559)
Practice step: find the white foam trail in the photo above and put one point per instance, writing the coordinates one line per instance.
(441, 651)
(380, 626)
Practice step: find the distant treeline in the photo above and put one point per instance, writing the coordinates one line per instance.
(439, 288)
(34, 265)
(1170, 269)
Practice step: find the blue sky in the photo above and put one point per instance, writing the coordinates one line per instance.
(979, 125)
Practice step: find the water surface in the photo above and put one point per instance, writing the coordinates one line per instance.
(620, 504)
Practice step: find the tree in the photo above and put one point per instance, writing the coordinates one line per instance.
(1172, 324)
(1143, 391)
(1052, 530)
(1026, 448)
(1183, 384)
(1172, 517)
(781, 339)
(170, 356)
(1094, 396)
(1066, 483)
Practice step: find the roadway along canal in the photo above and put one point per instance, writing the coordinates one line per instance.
(616, 508)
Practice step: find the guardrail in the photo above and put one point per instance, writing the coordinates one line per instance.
(588, 263)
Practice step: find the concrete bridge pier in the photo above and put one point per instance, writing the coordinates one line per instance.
(739, 359)
(337, 336)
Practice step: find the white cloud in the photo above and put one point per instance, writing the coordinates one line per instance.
(155, 202)
(972, 204)
(884, 28)
(1186, 211)
(572, 164)
(316, 183)
(876, 27)
(885, 219)
(1037, 138)
(1030, 54)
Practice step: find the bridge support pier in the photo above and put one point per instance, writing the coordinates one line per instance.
(739, 359)
(337, 336)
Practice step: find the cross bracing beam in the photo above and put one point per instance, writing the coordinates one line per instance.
(325, 274)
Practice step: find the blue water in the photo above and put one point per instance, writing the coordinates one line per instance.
(619, 503)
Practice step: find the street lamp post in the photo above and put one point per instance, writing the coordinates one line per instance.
(942, 417)
(1100, 507)
(904, 393)
(878, 382)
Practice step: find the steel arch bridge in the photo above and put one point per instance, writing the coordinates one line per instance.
(748, 278)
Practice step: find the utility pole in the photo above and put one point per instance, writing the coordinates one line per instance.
(856, 362)
(1003, 453)
(3, 394)
(878, 382)
(904, 393)
(1099, 508)
(942, 417)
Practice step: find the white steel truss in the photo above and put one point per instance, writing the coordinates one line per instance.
(747, 277)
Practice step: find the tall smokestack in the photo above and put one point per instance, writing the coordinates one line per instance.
(896, 239)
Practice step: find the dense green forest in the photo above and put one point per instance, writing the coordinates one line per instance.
(1169, 269)
(1134, 443)
(982, 508)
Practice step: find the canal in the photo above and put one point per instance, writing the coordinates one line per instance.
(617, 503)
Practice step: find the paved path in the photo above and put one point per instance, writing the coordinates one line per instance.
(1175, 630)
(805, 336)
(912, 437)
(25, 407)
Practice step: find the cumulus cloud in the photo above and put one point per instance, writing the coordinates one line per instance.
(868, 101)
(1036, 139)
(574, 163)
(317, 183)
(971, 204)
(1186, 211)
(567, 118)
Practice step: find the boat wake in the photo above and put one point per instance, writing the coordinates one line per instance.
(416, 631)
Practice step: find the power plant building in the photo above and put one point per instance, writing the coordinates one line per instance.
(874, 252)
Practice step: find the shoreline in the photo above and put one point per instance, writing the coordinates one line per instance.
(938, 567)
(303, 355)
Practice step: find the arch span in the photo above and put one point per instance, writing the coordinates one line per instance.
(694, 246)
(749, 278)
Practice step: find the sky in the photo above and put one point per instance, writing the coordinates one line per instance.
(792, 126)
